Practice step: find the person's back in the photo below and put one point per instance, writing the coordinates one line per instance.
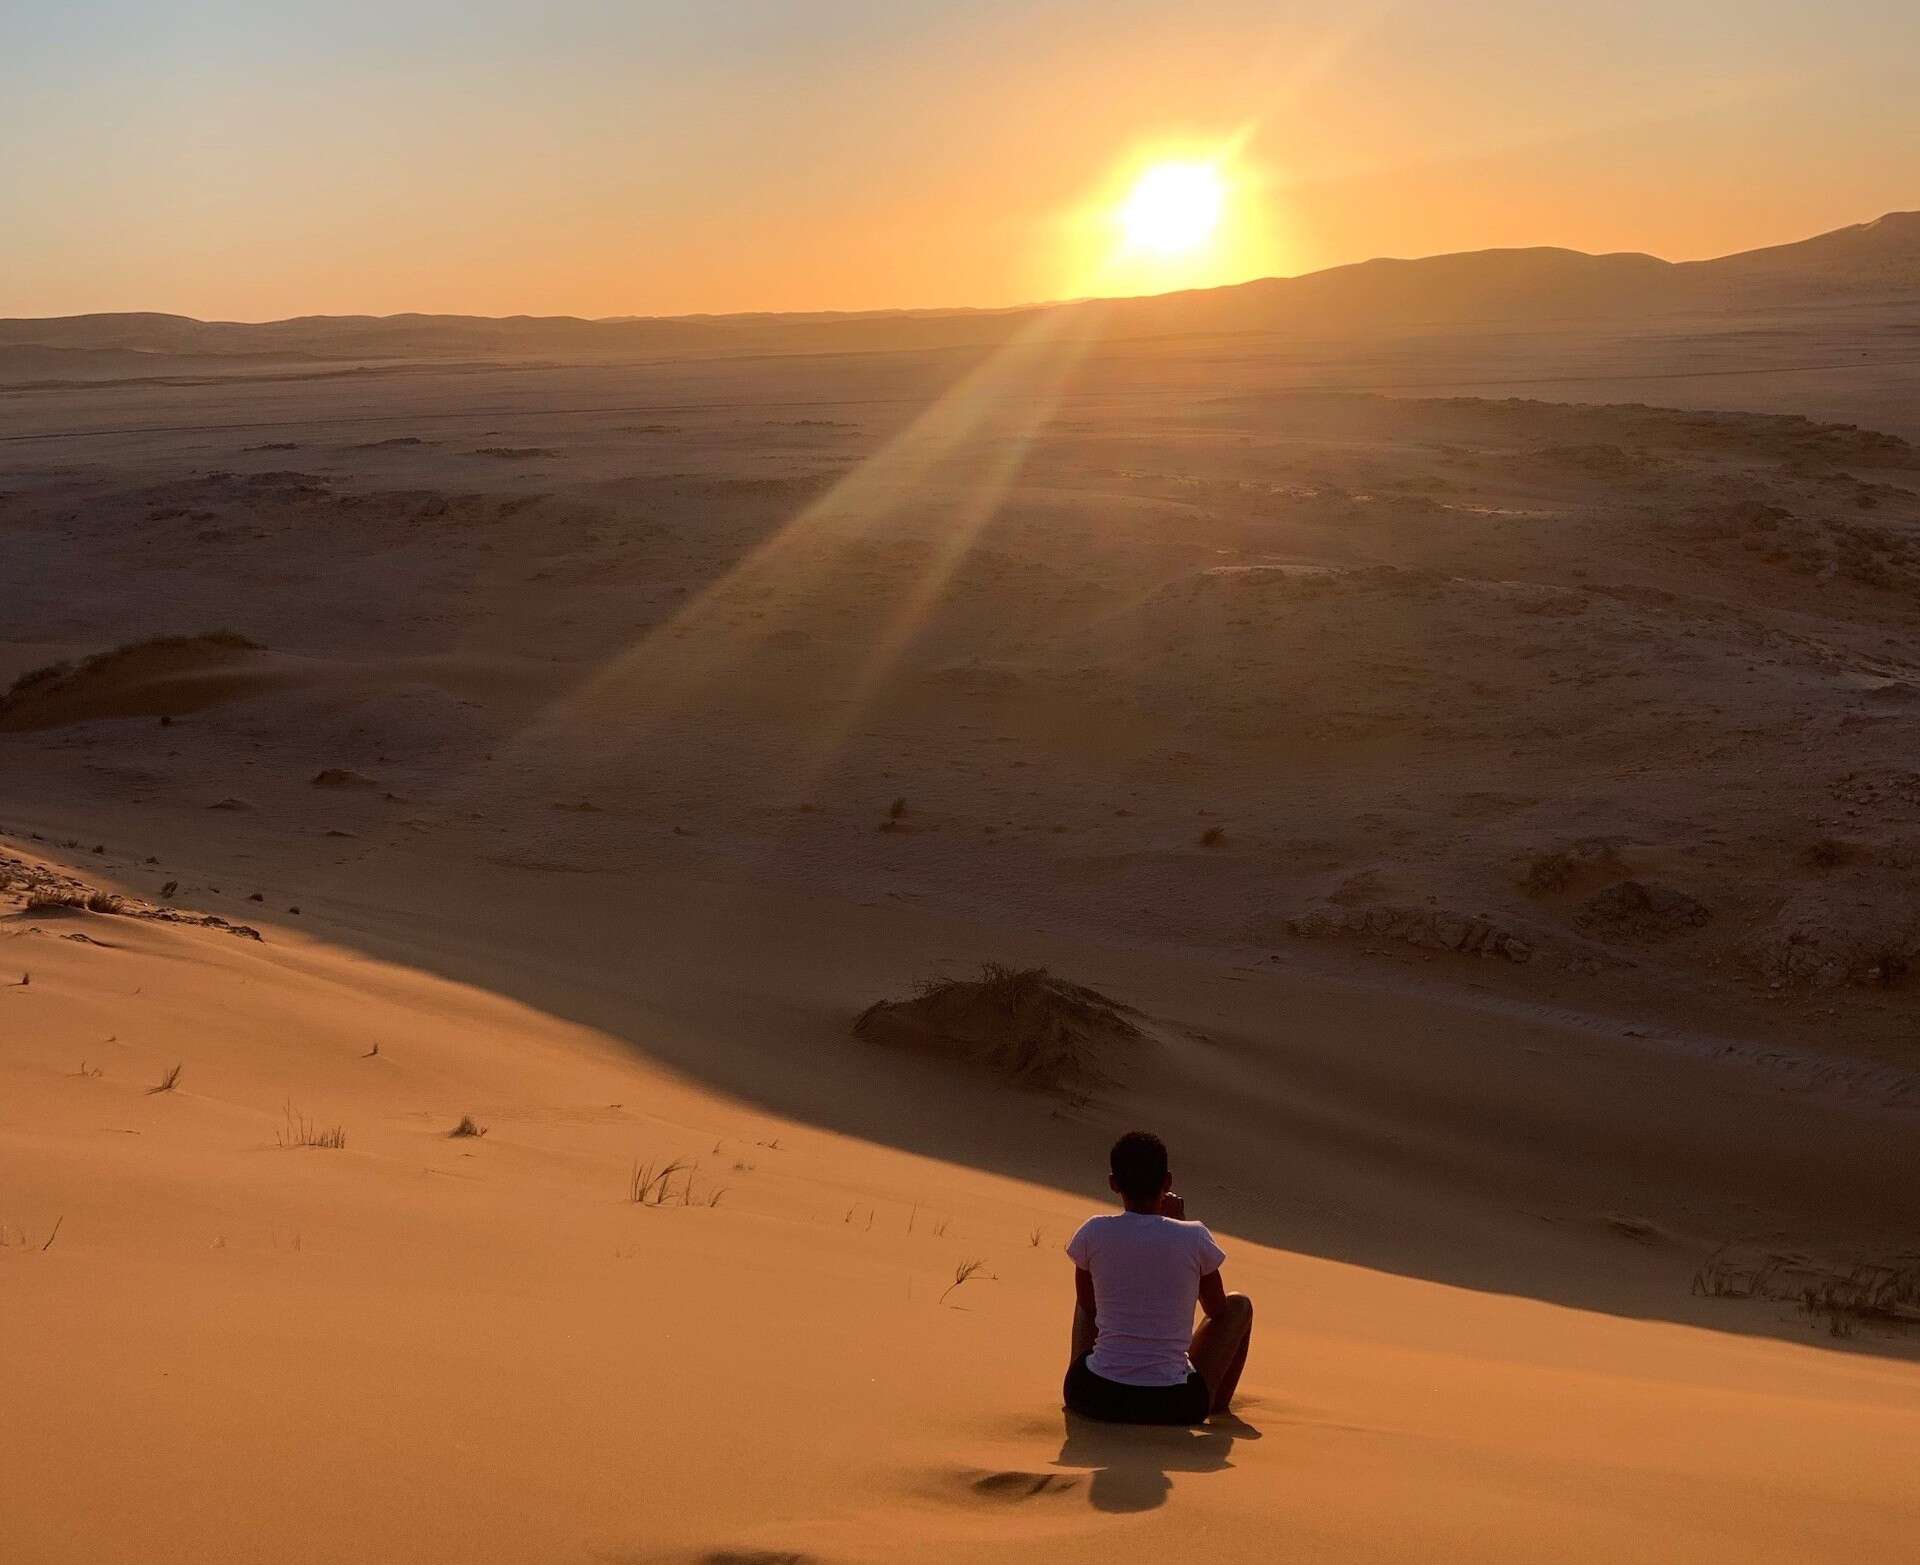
(1146, 1278)
(1140, 1272)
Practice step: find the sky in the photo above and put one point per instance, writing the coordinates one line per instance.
(253, 159)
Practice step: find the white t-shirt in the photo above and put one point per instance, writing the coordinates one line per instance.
(1146, 1281)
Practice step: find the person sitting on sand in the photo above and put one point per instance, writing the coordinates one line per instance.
(1136, 1357)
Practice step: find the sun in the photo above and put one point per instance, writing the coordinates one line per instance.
(1173, 213)
(1173, 208)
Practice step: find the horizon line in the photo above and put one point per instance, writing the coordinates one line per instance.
(972, 309)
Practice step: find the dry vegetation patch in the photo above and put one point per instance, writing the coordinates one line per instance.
(1021, 1023)
(160, 676)
(1881, 1294)
(300, 1131)
(134, 659)
(47, 893)
(652, 1184)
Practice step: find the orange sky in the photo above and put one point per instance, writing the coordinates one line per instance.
(588, 157)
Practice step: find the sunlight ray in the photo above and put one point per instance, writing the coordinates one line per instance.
(673, 664)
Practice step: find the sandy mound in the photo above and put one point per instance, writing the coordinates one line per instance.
(162, 677)
(44, 892)
(1022, 1023)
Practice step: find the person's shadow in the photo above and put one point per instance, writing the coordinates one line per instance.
(1130, 1463)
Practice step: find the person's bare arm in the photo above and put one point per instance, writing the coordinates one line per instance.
(1213, 1295)
(1083, 1290)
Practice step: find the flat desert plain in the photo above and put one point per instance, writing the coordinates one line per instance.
(1476, 765)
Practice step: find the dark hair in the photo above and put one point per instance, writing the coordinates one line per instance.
(1139, 1164)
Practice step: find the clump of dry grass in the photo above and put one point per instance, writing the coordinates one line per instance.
(1864, 1293)
(1868, 1292)
(469, 1126)
(1721, 1277)
(651, 1183)
(1213, 836)
(167, 1082)
(963, 1274)
(299, 1131)
(71, 896)
(1022, 1023)
(53, 899)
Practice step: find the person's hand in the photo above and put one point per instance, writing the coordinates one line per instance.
(1174, 1205)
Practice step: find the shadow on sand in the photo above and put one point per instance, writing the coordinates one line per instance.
(1394, 1129)
(1131, 1464)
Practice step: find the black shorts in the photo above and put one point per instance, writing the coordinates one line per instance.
(1094, 1396)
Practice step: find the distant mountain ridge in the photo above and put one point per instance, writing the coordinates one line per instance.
(1873, 260)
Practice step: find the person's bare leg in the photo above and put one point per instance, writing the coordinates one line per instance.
(1219, 1348)
(1082, 1334)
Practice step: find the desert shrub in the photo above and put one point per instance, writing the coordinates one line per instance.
(1022, 1023)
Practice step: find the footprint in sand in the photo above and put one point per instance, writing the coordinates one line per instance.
(1016, 1486)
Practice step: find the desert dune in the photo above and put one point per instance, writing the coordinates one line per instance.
(505, 825)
